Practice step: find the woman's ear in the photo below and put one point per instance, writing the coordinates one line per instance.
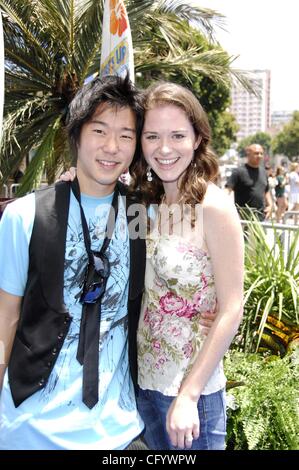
(197, 142)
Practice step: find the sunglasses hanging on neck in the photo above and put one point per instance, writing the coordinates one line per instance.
(98, 268)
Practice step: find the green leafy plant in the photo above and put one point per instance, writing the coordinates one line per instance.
(51, 47)
(263, 411)
(271, 301)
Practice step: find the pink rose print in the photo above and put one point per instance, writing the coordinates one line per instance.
(204, 281)
(146, 316)
(160, 361)
(188, 349)
(157, 345)
(155, 322)
(197, 298)
(172, 304)
(175, 331)
(181, 248)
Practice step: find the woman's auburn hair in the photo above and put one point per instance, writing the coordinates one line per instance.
(203, 168)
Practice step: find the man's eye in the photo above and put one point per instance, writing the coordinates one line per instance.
(98, 131)
(127, 137)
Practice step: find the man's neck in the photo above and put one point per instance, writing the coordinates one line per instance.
(253, 166)
(93, 188)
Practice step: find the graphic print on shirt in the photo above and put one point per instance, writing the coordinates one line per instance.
(113, 328)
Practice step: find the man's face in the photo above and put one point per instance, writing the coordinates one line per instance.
(105, 149)
(255, 155)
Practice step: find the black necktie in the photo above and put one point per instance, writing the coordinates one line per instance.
(88, 352)
(89, 335)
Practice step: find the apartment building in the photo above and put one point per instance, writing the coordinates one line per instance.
(252, 112)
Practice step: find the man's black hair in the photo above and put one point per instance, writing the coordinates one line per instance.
(114, 90)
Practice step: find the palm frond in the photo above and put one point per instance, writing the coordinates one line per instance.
(52, 46)
(204, 18)
(33, 174)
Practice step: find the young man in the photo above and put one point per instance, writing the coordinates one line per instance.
(69, 382)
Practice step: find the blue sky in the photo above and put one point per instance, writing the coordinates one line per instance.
(265, 35)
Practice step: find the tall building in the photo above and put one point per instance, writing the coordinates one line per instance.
(252, 112)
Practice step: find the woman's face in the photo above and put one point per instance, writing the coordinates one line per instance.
(168, 141)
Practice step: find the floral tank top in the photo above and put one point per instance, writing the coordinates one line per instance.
(179, 285)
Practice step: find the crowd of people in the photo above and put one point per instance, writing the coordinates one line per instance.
(284, 189)
(266, 191)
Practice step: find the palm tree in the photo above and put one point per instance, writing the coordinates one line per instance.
(52, 46)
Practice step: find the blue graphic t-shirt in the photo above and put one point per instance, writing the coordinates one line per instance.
(55, 417)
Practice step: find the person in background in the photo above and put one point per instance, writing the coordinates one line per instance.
(250, 184)
(194, 264)
(294, 187)
(272, 183)
(281, 201)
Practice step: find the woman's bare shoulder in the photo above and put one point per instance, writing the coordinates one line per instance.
(216, 197)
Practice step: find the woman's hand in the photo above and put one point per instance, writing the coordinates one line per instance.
(69, 175)
(182, 422)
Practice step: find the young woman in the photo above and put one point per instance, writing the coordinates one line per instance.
(194, 264)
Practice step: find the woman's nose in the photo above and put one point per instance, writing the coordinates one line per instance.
(165, 147)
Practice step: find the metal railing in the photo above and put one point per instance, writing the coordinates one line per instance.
(294, 215)
(285, 232)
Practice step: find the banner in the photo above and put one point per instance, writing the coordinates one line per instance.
(117, 48)
(1, 74)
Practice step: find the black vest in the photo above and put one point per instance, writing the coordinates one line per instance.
(44, 320)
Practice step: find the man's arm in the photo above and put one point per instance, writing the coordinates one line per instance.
(10, 306)
(231, 183)
(268, 206)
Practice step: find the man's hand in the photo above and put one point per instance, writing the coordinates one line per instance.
(206, 321)
(68, 175)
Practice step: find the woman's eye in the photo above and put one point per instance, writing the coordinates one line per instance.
(178, 136)
(98, 131)
(151, 137)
